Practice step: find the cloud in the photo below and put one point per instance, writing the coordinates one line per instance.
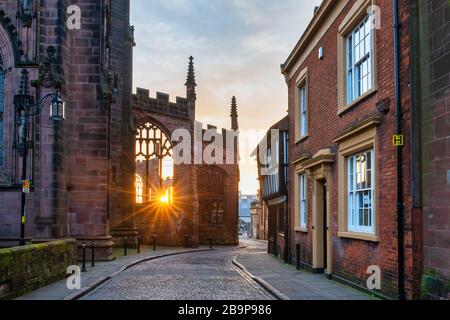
(238, 47)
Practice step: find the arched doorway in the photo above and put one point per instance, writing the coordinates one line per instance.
(154, 165)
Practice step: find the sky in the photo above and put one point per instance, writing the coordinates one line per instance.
(238, 46)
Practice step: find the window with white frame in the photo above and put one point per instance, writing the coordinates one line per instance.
(361, 179)
(359, 60)
(303, 201)
(303, 111)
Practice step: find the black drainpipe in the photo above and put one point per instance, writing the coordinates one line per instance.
(400, 200)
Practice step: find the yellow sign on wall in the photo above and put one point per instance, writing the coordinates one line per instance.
(26, 186)
(398, 140)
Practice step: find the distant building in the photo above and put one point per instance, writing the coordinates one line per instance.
(245, 204)
(273, 162)
(259, 219)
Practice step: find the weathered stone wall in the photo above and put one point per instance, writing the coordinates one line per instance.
(184, 219)
(24, 269)
(432, 60)
(82, 169)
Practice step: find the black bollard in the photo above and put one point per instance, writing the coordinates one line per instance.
(125, 246)
(186, 240)
(210, 242)
(83, 267)
(270, 246)
(93, 254)
(138, 244)
(298, 256)
(154, 242)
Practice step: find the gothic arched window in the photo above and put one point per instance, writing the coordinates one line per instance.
(154, 164)
(211, 189)
(2, 110)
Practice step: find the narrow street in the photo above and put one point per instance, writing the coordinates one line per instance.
(206, 275)
(212, 275)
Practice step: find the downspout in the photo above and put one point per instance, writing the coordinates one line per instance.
(287, 232)
(399, 129)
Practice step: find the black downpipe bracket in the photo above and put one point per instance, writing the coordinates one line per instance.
(399, 130)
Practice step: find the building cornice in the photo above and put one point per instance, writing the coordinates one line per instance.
(313, 28)
(322, 157)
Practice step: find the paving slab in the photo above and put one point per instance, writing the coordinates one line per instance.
(296, 285)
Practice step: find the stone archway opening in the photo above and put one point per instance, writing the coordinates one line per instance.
(154, 165)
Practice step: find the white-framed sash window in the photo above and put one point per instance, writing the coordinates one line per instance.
(359, 53)
(303, 201)
(361, 209)
(303, 111)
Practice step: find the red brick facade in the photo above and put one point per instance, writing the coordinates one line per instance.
(318, 152)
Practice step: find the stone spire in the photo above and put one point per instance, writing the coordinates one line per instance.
(191, 73)
(234, 114)
(190, 83)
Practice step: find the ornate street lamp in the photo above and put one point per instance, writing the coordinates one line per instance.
(57, 108)
(27, 109)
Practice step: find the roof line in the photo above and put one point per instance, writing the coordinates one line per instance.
(310, 30)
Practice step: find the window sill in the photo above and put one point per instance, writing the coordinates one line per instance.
(301, 230)
(299, 140)
(359, 236)
(359, 100)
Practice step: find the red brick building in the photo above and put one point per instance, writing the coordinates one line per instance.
(349, 183)
(83, 170)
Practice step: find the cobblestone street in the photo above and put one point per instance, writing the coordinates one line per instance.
(212, 275)
(196, 276)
